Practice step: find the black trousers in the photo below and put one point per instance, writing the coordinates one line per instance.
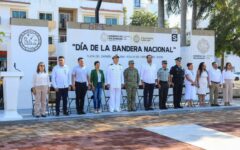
(148, 95)
(177, 94)
(81, 90)
(163, 93)
(61, 94)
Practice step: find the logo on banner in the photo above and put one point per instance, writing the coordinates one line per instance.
(203, 46)
(30, 40)
(136, 38)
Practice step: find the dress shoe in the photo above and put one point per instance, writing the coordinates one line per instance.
(57, 114)
(66, 113)
(44, 116)
(180, 107)
(37, 116)
(150, 109)
(163, 108)
(82, 113)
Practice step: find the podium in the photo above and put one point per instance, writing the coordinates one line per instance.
(11, 81)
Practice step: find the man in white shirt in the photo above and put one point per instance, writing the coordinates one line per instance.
(115, 82)
(80, 82)
(148, 75)
(61, 81)
(215, 76)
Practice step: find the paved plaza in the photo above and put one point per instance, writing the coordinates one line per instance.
(180, 130)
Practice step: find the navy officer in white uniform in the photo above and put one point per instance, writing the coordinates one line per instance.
(115, 82)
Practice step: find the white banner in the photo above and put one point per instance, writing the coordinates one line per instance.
(101, 45)
(202, 49)
(29, 46)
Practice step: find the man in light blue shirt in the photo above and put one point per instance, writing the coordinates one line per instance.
(61, 81)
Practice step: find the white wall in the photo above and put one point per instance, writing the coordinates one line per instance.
(202, 49)
(26, 61)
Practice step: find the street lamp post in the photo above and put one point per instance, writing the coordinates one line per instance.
(97, 11)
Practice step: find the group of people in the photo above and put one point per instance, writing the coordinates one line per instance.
(80, 80)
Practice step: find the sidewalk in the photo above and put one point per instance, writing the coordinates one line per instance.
(27, 116)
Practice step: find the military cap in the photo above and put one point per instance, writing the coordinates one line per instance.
(178, 59)
(164, 62)
(115, 56)
(130, 62)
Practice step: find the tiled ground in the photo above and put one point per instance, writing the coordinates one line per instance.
(120, 133)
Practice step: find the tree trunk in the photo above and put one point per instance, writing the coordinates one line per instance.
(194, 15)
(161, 13)
(183, 22)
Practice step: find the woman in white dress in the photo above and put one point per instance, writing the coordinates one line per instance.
(227, 82)
(202, 80)
(190, 89)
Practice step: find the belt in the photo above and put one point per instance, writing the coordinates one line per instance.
(215, 82)
(164, 81)
(81, 82)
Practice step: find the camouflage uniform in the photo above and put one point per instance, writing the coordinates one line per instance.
(131, 79)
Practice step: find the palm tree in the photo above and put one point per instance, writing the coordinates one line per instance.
(161, 13)
(183, 22)
(201, 9)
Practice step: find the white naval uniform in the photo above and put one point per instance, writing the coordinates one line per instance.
(115, 80)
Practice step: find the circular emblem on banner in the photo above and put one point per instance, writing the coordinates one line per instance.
(136, 38)
(104, 37)
(30, 40)
(203, 46)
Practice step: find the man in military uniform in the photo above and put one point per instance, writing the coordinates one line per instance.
(177, 79)
(131, 80)
(163, 79)
(115, 83)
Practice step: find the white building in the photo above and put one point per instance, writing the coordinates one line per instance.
(58, 12)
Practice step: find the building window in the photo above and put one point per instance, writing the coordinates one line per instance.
(88, 19)
(63, 19)
(111, 21)
(45, 16)
(137, 3)
(50, 40)
(19, 14)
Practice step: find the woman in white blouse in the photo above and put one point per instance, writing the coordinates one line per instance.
(40, 90)
(227, 82)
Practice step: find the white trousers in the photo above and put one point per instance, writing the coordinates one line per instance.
(114, 102)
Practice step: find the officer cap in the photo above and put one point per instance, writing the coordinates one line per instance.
(115, 56)
(164, 62)
(178, 59)
(130, 62)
